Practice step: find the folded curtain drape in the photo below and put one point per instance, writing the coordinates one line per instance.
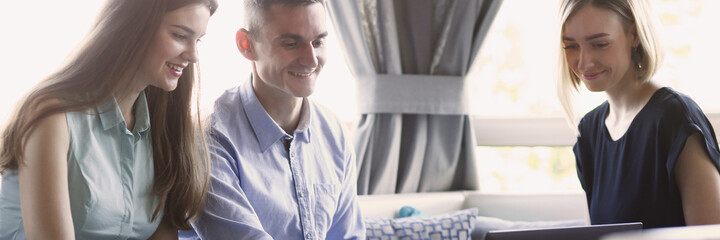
(411, 59)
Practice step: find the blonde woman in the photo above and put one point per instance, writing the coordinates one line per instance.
(648, 153)
(106, 148)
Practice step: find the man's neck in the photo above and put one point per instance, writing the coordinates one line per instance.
(284, 110)
(285, 114)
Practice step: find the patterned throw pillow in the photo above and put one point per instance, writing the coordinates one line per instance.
(455, 226)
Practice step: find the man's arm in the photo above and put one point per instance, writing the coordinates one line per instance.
(348, 221)
(228, 213)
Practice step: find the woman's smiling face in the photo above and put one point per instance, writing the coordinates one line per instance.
(598, 48)
(174, 45)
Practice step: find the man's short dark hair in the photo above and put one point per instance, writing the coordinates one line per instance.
(256, 12)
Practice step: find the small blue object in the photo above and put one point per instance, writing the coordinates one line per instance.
(408, 211)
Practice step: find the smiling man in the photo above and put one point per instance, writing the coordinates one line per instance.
(282, 167)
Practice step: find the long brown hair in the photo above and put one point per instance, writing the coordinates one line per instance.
(105, 63)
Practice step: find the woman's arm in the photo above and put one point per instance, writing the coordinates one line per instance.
(44, 195)
(164, 231)
(699, 183)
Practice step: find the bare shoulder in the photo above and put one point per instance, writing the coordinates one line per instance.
(43, 179)
(55, 121)
(49, 135)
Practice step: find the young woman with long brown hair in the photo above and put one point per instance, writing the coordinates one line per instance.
(107, 147)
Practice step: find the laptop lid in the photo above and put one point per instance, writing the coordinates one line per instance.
(590, 232)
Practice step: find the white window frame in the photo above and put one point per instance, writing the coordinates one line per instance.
(541, 131)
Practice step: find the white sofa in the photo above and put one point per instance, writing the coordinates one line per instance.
(495, 211)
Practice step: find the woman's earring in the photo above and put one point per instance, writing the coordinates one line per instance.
(636, 57)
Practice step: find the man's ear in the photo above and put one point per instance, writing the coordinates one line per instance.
(244, 45)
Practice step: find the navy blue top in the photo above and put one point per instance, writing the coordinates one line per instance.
(631, 179)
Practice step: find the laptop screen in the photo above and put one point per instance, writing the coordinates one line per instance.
(590, 232)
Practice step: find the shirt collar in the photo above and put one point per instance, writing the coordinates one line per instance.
(266, 130)
(303, 127)
(142, 114)
(111, 116)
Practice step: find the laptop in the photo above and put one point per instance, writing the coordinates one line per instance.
(591, 232)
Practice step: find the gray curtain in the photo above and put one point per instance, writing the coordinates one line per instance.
(410, 58)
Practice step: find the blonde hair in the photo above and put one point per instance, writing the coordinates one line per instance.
(105, 63)
(635, 13)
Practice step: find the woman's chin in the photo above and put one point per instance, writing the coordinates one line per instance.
(169, 85)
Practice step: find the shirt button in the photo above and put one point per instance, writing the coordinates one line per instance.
(308, 236)
(300, 194)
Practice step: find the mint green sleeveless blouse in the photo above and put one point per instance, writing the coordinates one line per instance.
(110, 176)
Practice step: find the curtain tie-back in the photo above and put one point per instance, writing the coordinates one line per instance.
(415, 94)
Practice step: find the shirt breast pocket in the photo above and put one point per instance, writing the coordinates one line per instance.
(326, 196)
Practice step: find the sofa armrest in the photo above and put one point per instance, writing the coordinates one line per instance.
(529, 207)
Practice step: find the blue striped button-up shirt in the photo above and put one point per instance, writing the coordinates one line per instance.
(268, 184)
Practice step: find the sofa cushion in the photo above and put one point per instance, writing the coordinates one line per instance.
(454, 225)
(387, 205)
(410, 211)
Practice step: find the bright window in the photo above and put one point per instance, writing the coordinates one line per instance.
(513, 76)
(36, 41)
(511, 81)
(527, 169)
